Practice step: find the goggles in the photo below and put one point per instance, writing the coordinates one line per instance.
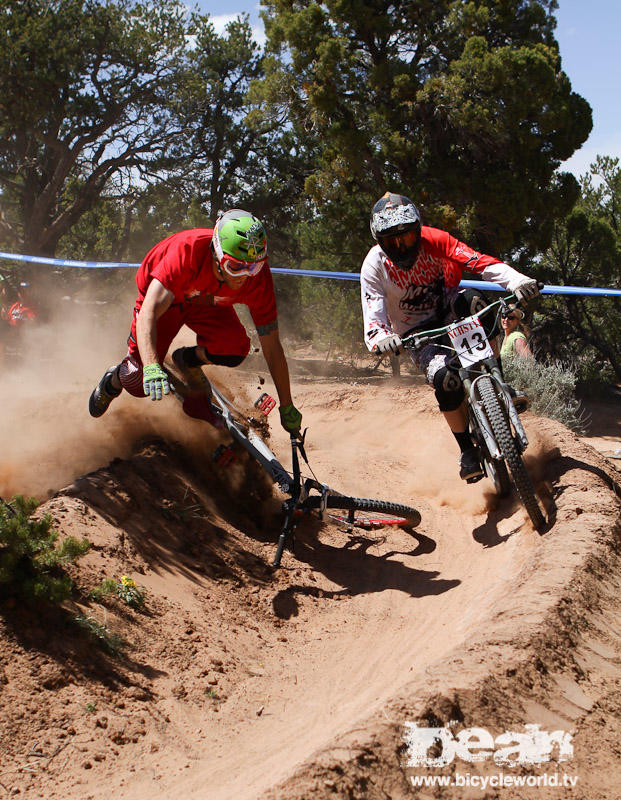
(400, 240)
(236, 268)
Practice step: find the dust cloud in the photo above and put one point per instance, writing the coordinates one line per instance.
(47, 436)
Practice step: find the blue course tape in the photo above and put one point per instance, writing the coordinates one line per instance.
(63, 262)
(313, 273)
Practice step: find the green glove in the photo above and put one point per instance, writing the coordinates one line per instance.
(154, 381)
(290, 418)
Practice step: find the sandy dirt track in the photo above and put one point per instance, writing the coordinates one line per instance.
(240, 682)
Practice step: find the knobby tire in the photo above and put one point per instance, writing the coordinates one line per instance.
(502, 431)
(408, 514)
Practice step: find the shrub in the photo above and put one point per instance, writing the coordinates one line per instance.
(550, 387)
(31, 563)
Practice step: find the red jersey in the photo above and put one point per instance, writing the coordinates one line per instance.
(19, 313)
(183, 264)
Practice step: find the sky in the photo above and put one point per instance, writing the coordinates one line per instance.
(590, 45)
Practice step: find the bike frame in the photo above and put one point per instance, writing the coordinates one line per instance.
(486, 366)
(300, 498)
(251, 442)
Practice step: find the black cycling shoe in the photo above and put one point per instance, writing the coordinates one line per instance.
(103, 394)
(470, 469)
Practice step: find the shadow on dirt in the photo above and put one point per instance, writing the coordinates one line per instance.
(564, 464)
(488, 534)
(360, 572)
(170, 507)
(55, 633)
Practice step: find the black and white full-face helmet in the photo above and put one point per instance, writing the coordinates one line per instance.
(395, 226)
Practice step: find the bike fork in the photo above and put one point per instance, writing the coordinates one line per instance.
(287, 535)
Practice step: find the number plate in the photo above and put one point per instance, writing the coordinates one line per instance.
(470, 341)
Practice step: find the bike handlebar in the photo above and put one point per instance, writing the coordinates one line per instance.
(414, 341)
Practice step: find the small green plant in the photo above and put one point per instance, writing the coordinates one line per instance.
(106, 587)
(129, 591)
(126, 589)
(101, 634)
(212, 694)
(31, 562)
(91, 707)
(550, 387)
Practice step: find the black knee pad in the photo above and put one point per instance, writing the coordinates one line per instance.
(448, 388)
(469, 302)
(224, 361)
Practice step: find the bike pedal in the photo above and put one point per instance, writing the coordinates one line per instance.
(224, 455)
(265, 403)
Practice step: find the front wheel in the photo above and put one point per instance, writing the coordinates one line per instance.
(513, 459)
(363, 512)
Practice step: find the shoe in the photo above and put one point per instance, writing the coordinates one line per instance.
(103, 394)
(193, 376)
(470, 469)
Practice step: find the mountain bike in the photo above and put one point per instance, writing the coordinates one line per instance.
(305, 495)
(495, 425)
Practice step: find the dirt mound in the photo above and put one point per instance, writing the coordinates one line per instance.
(236, 681)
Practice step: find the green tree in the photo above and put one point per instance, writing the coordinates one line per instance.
(586, 251)
(31, 562)
(226, 138)
(461, 105)
(85, 91)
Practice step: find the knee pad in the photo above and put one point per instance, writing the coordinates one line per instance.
(448, 388)
(224, 360)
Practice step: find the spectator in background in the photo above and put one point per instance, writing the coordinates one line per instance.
(23, 309)
(516, 334)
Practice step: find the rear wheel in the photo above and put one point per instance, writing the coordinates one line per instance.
(502, 431)
(363, 512)
(497, 472)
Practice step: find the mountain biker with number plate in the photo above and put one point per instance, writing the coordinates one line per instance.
(193, 278)
(409, 281)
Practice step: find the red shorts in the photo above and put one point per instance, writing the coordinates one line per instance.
(217, 329)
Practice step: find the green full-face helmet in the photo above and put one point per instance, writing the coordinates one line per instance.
(239, 242)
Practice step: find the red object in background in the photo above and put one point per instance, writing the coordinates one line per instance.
(265, 403)
(19, 313)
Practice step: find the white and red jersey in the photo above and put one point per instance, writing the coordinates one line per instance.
(396, 300)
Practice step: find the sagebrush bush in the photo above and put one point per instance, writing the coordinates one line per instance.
(550, 387)
(31, 563)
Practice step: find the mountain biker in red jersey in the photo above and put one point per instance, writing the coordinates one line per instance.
(193, 278)
(23, 309)
(409, 281)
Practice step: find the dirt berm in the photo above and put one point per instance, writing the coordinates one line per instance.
(237, 682)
